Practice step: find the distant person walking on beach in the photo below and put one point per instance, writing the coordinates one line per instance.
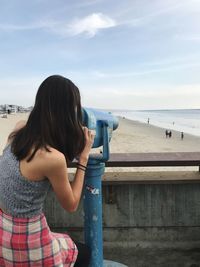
(148, 120)
(36, 159)
(168, 133)
(182, 135)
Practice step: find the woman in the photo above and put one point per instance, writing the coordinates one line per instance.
(35, 159)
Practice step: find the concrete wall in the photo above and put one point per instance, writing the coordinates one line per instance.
(145, 216)
(137, 205)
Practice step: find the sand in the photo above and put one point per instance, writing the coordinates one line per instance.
(133, 136)
(130, 136)
(7, 125)
(136, 137)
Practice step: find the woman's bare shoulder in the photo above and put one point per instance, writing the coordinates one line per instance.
(52, 159)
(51, 153)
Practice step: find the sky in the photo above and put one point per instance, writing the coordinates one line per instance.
(137, 54)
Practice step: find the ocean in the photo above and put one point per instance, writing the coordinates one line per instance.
(183, 120)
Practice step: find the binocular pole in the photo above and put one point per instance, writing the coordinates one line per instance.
(92, 201)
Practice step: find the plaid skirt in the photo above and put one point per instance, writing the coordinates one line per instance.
(29, 242)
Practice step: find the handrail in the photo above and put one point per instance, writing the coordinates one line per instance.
(153, 159)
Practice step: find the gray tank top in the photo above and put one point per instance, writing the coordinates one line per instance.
(19, 197)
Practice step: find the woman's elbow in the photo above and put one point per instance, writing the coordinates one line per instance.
(72, 208)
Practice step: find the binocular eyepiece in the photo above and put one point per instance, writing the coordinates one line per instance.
(98, 120)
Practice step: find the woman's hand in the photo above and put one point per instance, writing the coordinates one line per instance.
(89, 140)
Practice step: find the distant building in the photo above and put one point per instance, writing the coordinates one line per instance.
(8, 109)
(11, 109)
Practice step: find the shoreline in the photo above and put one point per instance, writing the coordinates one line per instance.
(187, 122)
(159, 127)
(143, 137)
(185, 133)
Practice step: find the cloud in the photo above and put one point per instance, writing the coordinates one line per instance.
(135, 97)
(169, 68)
(20, 90)
(88, 3)
(13, 27)
(164, 8)
(188, 37)
(147, 90)
(189, 58)
(42, 24)
(88, 25)
(91, 24)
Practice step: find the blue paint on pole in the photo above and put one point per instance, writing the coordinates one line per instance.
(103, 123)
(93, 212)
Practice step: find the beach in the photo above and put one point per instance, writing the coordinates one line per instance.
(7, 125)
(134, 136)
(130, 137)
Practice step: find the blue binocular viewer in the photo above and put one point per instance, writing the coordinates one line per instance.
(104, 123)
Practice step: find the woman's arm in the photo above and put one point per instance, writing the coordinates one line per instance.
(56, 170)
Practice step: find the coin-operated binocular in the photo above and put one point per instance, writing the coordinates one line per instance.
(104, 123)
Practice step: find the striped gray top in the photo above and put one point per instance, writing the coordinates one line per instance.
(19, 197)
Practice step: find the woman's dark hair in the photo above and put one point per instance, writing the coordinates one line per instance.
(56, 121)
